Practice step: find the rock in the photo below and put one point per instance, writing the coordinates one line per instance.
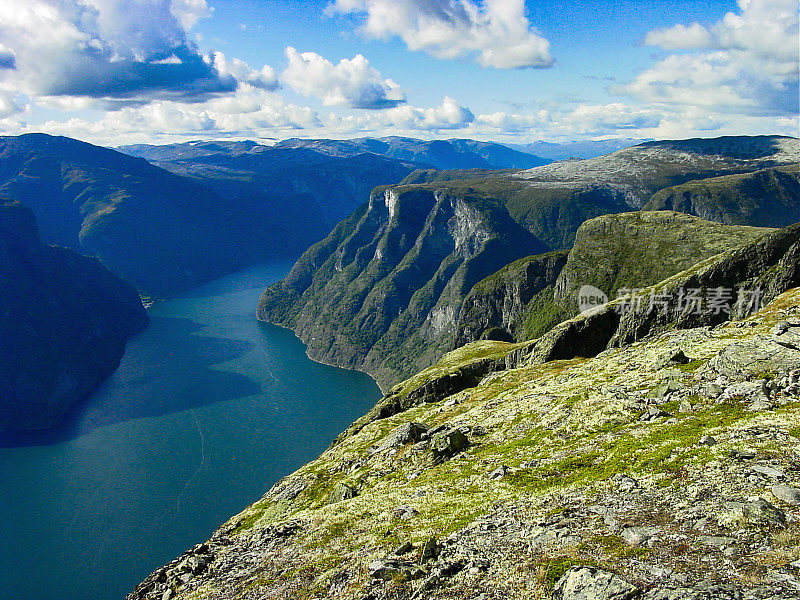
(653, 413)
(390, 568)
(786, 493)
(404, 513)
(769, 472)
(430, 551)
(759, 513)
(707, 590)
(685, 406)
(745, 454)
(589, 583)
(624, 482)
(748, 391)
(340, 493)
(407, 432)
(718, 541)
(672, 358)
(404, 548)
(752, 356)
(448, 443)
(708, 440)
(636, 536)
(669, 385)
(499, 472)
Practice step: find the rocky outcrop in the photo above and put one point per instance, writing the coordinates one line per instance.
(64, 321)
(770, 197)
(746, 277)
(611, 253)
(574, 479)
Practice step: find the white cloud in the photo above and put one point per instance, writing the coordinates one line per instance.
(266, 78)
(352, 82)
(118, 51)
(449, 115)
(748, 64)
(679, 37)
(495, 32)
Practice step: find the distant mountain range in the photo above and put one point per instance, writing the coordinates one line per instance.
(577, 149)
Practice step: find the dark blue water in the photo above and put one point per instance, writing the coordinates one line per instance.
(207, 410)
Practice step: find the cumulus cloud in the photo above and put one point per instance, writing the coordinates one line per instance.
(495, 32)
(351, 82)
(449, 115)
(747, 62)
(117, 50)
(266, 78)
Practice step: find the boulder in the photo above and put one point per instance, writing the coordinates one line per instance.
(448, 443)
(786, 493)
(759, 513)
(340, 493)
(589, 583)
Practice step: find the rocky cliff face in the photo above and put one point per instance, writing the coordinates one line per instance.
(744, 277)
(64, 321)
(499, 306)
(613, 252)
(382, 292)
(662, 470)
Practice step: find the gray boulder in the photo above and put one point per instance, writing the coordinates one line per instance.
(448, 443)
(786, 493)
(589, 583)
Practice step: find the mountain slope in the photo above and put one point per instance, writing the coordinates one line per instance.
(159, 232)
(310, 185)
(611, 253)
(632, 474)
(338, 302)
(440, 154)
(766, 197)
(380, 293)
(64, 321)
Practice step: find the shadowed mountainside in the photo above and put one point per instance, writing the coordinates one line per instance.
(64, 321)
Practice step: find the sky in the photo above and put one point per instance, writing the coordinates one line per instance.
(118, 72)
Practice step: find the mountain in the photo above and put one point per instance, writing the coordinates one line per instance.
(379, 293)
(440, 154)
(769, 196)
(577, 149)
(611, 253)
(384, 291)
(311, 186)
(589, 464)
(159, 232)
(64, 321)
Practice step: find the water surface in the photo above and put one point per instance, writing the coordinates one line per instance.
(208, 408)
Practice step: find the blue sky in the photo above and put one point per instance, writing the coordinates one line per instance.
(125, 71)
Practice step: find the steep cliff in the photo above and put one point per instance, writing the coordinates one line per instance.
(500, 306)
(382, 292)
(770, 197)
(627, 250)
(64, 321)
